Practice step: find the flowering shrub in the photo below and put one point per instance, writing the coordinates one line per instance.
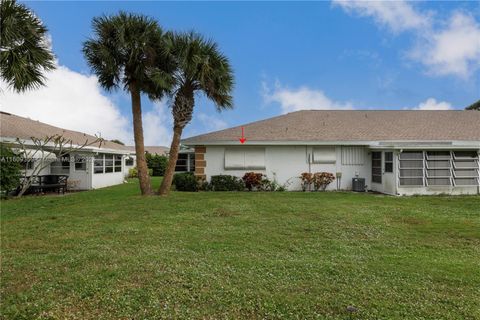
(307, 180)
(253, 180)
(322, 179)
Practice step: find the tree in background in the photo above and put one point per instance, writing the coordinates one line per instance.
(24, 49)
(474, 106)
(157, 163)
(9, 170)
(199, 68)
(128, 51)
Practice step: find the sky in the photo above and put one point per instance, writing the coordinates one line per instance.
(286, 56)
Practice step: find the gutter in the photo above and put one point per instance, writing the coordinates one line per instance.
(395, 144)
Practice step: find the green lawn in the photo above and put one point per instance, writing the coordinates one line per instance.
(111, 254)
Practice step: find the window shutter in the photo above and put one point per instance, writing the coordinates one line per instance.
(234, 158)
(243, 158)
(324, 154)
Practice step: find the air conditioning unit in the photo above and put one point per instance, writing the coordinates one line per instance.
(358, 184)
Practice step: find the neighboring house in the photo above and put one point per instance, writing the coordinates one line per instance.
(156, 150)
(396, 152)
(186, 156)
(93, 166)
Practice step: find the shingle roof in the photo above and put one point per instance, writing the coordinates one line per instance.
(160, 150)
(378, 125)
(13, 126)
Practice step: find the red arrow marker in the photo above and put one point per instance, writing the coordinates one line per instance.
(242, 139)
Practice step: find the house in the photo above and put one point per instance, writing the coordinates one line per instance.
(154, 150)
(396, 152)
(96, 165)
(185, 161)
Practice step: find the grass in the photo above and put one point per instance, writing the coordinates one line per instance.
(112, 254)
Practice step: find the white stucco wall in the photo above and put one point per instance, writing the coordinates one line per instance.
(101, 180)
(286, 163)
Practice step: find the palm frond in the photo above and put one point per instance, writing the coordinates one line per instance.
(128, 48)
(200, 68)
(25, 53)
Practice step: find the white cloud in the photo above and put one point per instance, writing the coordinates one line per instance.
(157, 125)
(212, 123)
(432, 104)
(396, 15)
(302, 98)
(72, 101)
(454, 49)
(451, 48)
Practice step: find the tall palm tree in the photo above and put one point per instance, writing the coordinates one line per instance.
(128, 51)
(25, 53)
(200, 68)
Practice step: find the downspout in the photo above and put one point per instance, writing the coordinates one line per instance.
(308, 160)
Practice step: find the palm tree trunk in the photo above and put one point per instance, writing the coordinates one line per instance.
(143, 176)
(172, 161)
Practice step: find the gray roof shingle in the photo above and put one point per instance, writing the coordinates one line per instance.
(356, 125)
(13, 126)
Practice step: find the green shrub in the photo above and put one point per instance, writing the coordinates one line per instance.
(226, 183)
(185, 181)
(133, 172)
(10, 170)
(203, 185)
(157, 163)
(270, 185)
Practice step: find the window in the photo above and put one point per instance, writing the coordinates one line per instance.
(182, 163)
(61, 165)
(465, 168)
(129, 161)
(245, 158)
(439, 168)
(324, 155)
(118, 163)
(80, 163)
(411, 168)
(234, 158)
(27, 164)
(377, 167)
(98, 164)
(185, 162)
(438, 165)
(389, 162)
(108, 163)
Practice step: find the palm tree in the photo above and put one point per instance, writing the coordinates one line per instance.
(200, 67)
(128, 51)
(25, 54)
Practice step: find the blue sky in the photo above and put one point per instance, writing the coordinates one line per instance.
(286, 56)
